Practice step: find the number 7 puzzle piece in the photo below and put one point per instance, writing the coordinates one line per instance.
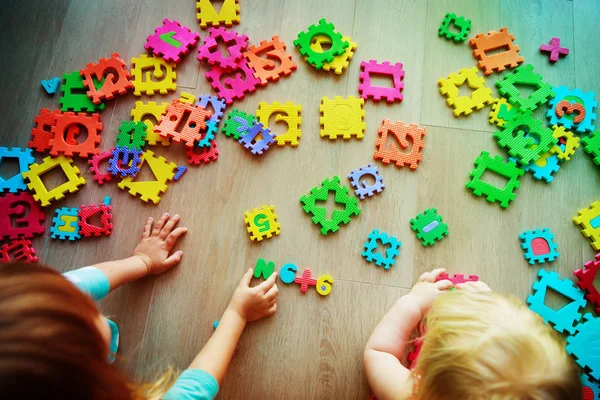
(183, 122)
(465, 105)
(151, 190)
(171, 41)
(229, 13)
(144, 69)
(401, 132)
(105, 71)
(262, 223)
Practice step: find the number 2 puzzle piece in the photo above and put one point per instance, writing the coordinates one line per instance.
(65, 225)
(24, 158)
(394, 71)
(589, 220)
(262, 223)
(163, 172)
(20, 216)
(342, 117)
(132, 135)
(183, 122)
(289, 113)
(539, 246)
(236, 44)
(572, 109)
(586, 278)
(105, 71)
(60, 143)
(228, 15)
(463, 25)
(391, 252)
(74, 94)
(152, 74)
(591, 145)
(494, 40)
(238, 123)
(97, 175)
(502, 112)
(465, 105)
(429, 227)
(171, 41)
(582, 345)
(18, 250)
(264, 68)
(339, 63)
(86, 212)
(150, 113)
(524, 76)
(401, 132)
(205, 156)
(257, 145)
(230, 85)
(361, 188)
(317, 58)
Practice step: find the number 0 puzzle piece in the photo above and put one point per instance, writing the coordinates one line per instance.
(589, 220)
(18, 250)
(208, 16)
(60, 131)
(401, 132)
(494, 40)
(152, 74)
(20, 216)
(236, 44)
(262, 223)
(265, 68)
(539, 246)
(232, 85)
(339, 63)
(394, 71)
(24, 158)
(171, 41)
(183, 122)
(289, 113)
(150, 113)
(465, 105)
(105, 71)
(572, 109)
(342, 117)
(524, 76)
(163, 172)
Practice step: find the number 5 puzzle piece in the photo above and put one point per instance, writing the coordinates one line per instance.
(266, 69)
(105, 71)
(465, 105)
(262, 223)
(151, 190)
(60, 143)
(289, 113)
(183, 122)
(20, 216)
(401, 132)
(228, 15)
(152, 67)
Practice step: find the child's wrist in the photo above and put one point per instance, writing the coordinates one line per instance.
(142, 263)
(237, 311)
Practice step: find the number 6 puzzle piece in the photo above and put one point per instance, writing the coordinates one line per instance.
(183, 122)
(171, 41)
(163, 172)
(289, 113)
(465, 105)
(264, 69)
(262, 223)
(152, 67)
(105, 71)
(401, 132)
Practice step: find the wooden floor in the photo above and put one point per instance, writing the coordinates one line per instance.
(312, 348)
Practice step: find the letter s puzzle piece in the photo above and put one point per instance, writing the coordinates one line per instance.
(262, 223)
(465, 105)
(24, 158)
(171, 41)
(151, 190)
(229, 84)
(20, 216)
(18, 250)
(401, 132)
(228, 15)
(60, 143)
(497, 62)
(342, 117)
(183, 122)
(589, 220)
(264, 68)
(86, 212)
(65, 225)
(144, 69)
(289, 113)
(105, 71)
(150, 113)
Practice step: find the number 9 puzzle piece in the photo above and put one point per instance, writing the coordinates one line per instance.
(262, 223)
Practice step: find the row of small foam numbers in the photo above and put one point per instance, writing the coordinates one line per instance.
(287, 275)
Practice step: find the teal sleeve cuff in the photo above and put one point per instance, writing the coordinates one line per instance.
(193, 384)
(91, 281)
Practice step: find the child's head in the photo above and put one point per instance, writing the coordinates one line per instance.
(482, 345)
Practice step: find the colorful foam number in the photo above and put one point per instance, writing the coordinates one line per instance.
(65, 225)
(582, 346)
(502, 112)
(263, 268)
(163, 172)
(40, 192)
(480, 96)
(104, 70)
(233, 84)
(324, 285)
(218, 106)
(152, 74)
(235, 44)
(567, 143)
(554, 50)
(228, 15)
(287, 274)
(429, 227)
(74, 94)
(401, 132)
(376, 238)
(266, 69)
(20, 216)
(69, 121)
(24, 158)
(572, 109)
(525, 76)
(589, 220)
(538, 246)
(318, 58)
(124, 162)
(461, 23)
(181, 170)
(132, 135)
(97, 175)
(377, 93)
(258, 139)
(262, 223)
(205, 156)
(86, 212)
(289, 113)
(186, 97)
(361, 187)
(497, 165)
(183, 122)
(339, 63)
(591, 145)
(18, 250)
(586, 281)
(42, 133)
(171, 41)
(238, 123)
(342, 117)
(490, 61)
(150, 113)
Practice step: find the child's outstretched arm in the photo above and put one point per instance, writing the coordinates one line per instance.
(381, 359)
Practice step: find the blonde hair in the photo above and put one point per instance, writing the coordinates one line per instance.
(484, 345)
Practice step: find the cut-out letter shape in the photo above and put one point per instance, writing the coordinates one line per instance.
(429, 227)
(524, 76)
(342, 117)
(236, 45)
(538, 246)
(105, 71)
(150, 113)
(87, 212)
(361, 187)
(132, 135)
(318, 58)
(65, 225)
(589, 220)
(60, 143)
(266, 69)
(462, 24)
(502, 112)
(151, 190)
(183, 122)
(18, 250)
(264, 268)
(497, 62)
(171, 41)
(24, 158)
(20, 216)
(262, 223)
(258, 139)
(401, 133)
(74, 94)
(152, 74)
(480, 97)
(390, 94)
(375, 239)
(339, 63)
(233, 84)
(208, 16)
(572, 109)
(205, 156)
(289, 113)
(554, 50)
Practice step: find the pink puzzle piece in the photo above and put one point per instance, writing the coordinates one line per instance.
(236, 45)
(390, 94)
(457, 278)
(554, 49)
(229, 84)
(171, 41)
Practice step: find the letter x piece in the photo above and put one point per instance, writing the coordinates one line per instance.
(305, 280)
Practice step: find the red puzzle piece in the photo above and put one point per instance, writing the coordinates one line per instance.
(193, 118)
(20, 216)
(18, 250)
(206, 155)
(264, 68)
(414, 355)
(586, 278)
(401, 132)
(305, 280)
(42, 133)
(67, 126)
(457, 278)
(86, 212)
(106, 68)
(94, 163)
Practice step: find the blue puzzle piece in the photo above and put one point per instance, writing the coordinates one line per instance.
(25, 159)
(583, 345)
(107, 200)
(211, 129)
(51, 85)
(123, 156)
(217, 104)
(258, 146)
(59, 221)
(390, 254)
(531, 238)
(180, 171)
(361, 188)
(573, 96)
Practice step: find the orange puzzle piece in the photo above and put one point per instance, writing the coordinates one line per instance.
(42, 133)
(63, 132)
(493, 41)
(401, 132)
(264, 68)
(183, 122)
(104, 71)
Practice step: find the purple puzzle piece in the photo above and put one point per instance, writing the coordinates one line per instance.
(258, 146)
(554, 49)
(171, 41)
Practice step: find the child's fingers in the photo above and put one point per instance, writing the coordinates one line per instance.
(272, 310)
(444, 285)
(164, 232)
(147, 228)
(247, 278)
(422, 277)
(268, 284)
(174, 236)
(173, 259)
(465, 286)
(272, 293)
(159, 224)
(432, 276)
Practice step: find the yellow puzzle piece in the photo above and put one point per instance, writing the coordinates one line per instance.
(289, 113)
(143, 112)
(262, 223)
(40, 191)
(339, 63)
(502, 112)
(342, 117)
(207, 15)
(571, 143)
(151, 190)
(145, 68)
(589, 220)
(480, 97)
(187, 98)
(70, 223)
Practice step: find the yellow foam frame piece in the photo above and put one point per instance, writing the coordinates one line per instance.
(151, 190)
(187, 98)
(142, 111)
(589, 220)
(145, 68)
(40, 191)
(465, 105)
(572, 143)
(342, 117)
(207, 15)
(262, 223)
(339, 63)
(289, 113)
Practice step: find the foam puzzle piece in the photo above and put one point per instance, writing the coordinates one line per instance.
(289, 113)
(40, 192)
(20, 216)
(186, 97)
(150, 113)
(502, 112)
(339, 63)
(324, 285)
(205, 156)
(51, 85)
(465, 105)
(97, 175)
(42, 133)
(585, 281)
(517, 136)
(238, 123)
(86, 212)
(390, 253)
(230, 85)
(265, 69)
(124, 162)
(321, 194)
(171, 41)
(463, 25)
(287, 274)
(152, 74)
(538, 246)
(65, 225)
(496, 62)
(208, 135)
(74, 94)
(305, 281)
(567, 143)
(572, 109)
(457, 278)
(262, 223)
(178, 113)
(314, 58)
(264, 268)
(591, 145)
(181, 170)
(401, 132)
(509, 170)
(581, 346)
(429, 227)
(554, 50)
(564, 318)
(216, 103)
(236, 45)
(24, 158)
(591, 389)
(18, 250)
(543, 168)
(105, 71)
(60, 144)
(151, 190)
(524, 76)
(362, 188)
(132, 135)
(390, 94)
(342, 117)
(256, 145)
(589, 220)
(228, 15)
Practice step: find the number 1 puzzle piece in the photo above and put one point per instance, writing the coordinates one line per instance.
(183, 122)
(105, 71)
(494, 40)
(171, 41)
(401, 132)
(18, 250)
(228, 15)
(524, 76)
(87, 212)
(342, 117)
(465, 105)
(230, 85)
(60, 143)
(394, 71)
(236, 44)
(163, 172)
(152, 74)
(264, 68)
(24, 158)
(262, 223)
(289, 113)
(65, 225)
(150, 113)
(20, 216)
(132, 135)
(339, 63)
(589, 220)
(74, 94)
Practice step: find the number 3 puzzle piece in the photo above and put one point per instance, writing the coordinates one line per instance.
(262, 223)
(183, 122)
(401, 132)
(151, 190)
(291, 116)
(152, 67)
(105, 70)
(266, 69)
(342, 117)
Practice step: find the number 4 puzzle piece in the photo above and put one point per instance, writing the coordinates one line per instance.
(589, 220)
(289, 113)
(262, 223)
(151, 190)
(144, 69)
(105, 71)
(208, 16)
(465, 105)
(401, 132)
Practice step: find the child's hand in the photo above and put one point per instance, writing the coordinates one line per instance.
(427, 289)
(156, 244)
(252, 303)
(477, 286)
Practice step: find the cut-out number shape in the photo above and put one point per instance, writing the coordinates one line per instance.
(262, 222)
(569, 108)
(169, 39)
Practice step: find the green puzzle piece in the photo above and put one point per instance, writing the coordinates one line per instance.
(464, 25)
(74, 94)
(524, 75)
(132, 135)
(238, 123)
(591, 145)
(318, 58)
(429, 227)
